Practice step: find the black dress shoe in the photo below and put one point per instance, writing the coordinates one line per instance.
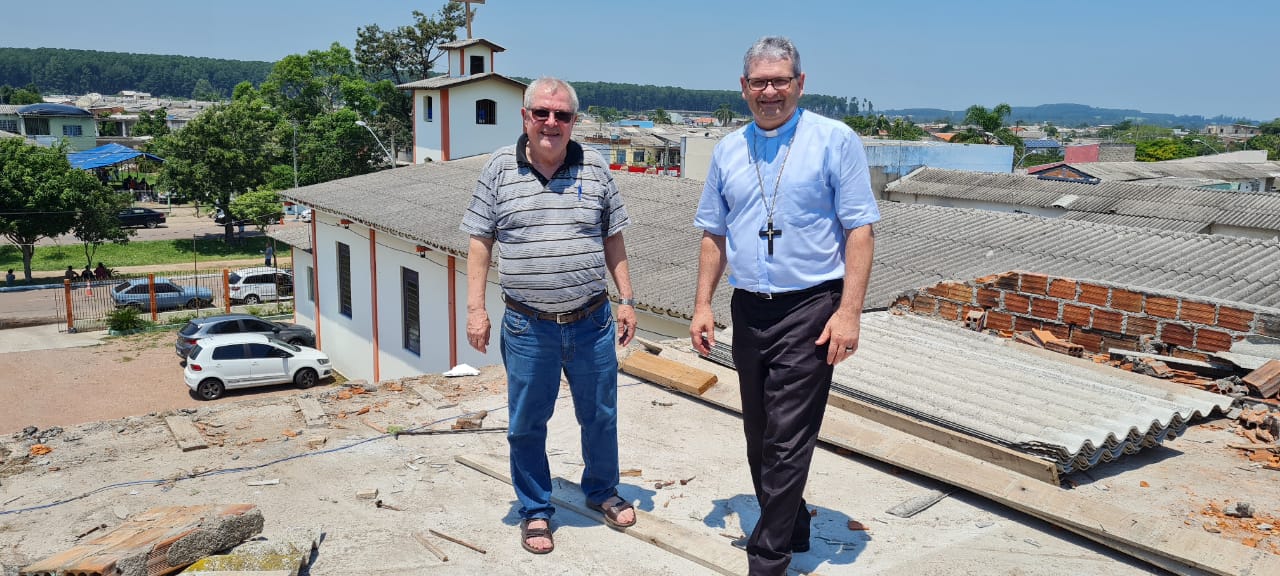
(800, 547)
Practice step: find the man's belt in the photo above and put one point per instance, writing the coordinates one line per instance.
(559, 317)
(829, 285)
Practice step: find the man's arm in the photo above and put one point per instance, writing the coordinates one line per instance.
(845, 326)
(615, 257)
(479, 253)
(711, 264)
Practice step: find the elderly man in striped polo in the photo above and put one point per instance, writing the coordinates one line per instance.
(554, 211)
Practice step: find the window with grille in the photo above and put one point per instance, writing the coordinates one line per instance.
(344, 279)
(486, 112)
(409, 313)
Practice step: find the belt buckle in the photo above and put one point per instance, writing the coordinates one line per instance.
(765, 295)
(564, 317)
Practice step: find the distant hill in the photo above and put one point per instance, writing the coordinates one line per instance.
(1070, 115)
(63, 71)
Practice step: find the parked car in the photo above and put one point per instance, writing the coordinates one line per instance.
(306, 215)
(226, 362)
(140, 217)
(134, 294)
(254, 285)
(200, 328)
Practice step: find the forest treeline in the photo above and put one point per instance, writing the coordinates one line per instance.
(64, 71)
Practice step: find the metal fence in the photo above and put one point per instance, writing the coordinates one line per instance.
(87, 305)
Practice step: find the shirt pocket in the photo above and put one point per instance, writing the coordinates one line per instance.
(806, 203)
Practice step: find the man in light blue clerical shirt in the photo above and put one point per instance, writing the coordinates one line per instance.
(788, 206)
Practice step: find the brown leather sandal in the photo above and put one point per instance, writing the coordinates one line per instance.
(611, 512)
(526, 533)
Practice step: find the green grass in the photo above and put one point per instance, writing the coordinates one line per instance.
(57, 258)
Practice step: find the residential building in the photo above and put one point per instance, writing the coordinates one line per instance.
(51, 124)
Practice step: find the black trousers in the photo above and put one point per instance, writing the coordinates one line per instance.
(785, 380)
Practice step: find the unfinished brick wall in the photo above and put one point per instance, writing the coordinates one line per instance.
(1096, 315)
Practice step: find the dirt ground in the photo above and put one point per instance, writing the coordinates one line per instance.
(120, 459)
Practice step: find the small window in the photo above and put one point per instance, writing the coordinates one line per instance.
(409, 310)
(72, 130)
(428, 114)
(311, 285)
(621, 156)
(9, 125)
(486, 112)
(229, 352)
(477, 65)
(637, 157)
(344, 279)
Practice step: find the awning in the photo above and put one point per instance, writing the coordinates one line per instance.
(106, 155)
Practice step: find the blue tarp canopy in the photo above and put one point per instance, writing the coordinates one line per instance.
(106, 155)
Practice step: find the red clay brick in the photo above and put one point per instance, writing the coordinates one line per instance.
(1126, 300)
(1091, 341)
(1016, 303)
(1177, 335)
(1117, 341)
(1198, 312)
(924, 305)
(1045, 308)
(986, 280)
(1139, 325)
(1234, 319)
(1022, 323)
(999, 321)
(948, 310)
(1036, 284)
(1059, 330)
(1212, 340)
(1162, 307)
(1093, 294)
(988, 297)
(1189, 355)
(1062, 288)
(1108, 321)
(1007, 281)
(902, 302)
(1075, 315)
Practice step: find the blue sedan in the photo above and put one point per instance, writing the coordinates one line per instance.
(136, 294)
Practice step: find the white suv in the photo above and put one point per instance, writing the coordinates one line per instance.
(225, 362)
(254, 285)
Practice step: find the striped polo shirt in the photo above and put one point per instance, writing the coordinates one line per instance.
(549, 233)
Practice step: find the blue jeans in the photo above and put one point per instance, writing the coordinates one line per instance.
(535, 352)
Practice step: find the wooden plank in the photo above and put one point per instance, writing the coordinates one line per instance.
(1266, 379)
(680, 376)
(185, 433)
(1024, 464)
(711, 552)
(312, 413)
(1182, 551)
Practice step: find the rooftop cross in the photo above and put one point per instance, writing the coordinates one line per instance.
(470, 14)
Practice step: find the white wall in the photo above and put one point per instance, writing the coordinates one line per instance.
(347, 341)
(466, 138)
(304, 310)
(427, 135)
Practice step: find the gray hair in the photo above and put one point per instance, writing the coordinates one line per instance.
(772, 48)
(552, 85)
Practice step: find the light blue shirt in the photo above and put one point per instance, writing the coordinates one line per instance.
(825, 190)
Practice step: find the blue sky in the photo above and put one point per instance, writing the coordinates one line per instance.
(1167, 56)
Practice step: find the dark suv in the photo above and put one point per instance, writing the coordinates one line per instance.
(199, 328)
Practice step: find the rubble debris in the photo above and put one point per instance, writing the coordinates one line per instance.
(1240, 510)
(40, 449)
(271, 482)
(858, 526)
(367, 493)
(631, 472)
(90, 531)
(458, 541)
(381, 504)
(430, 547)
(470, 421)
(1265, 381)
(918, 504)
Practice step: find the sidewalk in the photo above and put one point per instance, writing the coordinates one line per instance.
(54, 279)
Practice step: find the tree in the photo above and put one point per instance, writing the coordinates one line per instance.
(1268, 142)
(26, 95)
(724, 114)
(988, 127)
(260, 208)
(228, 149)
(1272, 127)
(41, 195)
(153, 123)
(205, 91)
(96, 223)
(408, 53)
(660, 116)
(1159, 149)
(903, 129)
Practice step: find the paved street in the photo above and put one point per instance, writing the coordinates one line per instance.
(181, 222)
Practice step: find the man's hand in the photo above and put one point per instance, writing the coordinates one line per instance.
(842, 332)
(702, 331)
(478, 329)
(626, 324)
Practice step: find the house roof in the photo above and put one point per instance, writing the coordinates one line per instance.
(471, 42)
(106, 155)
(46, 109)
(916, 245)
(1042, 143)
(1246, 210)
(297, 236)
(9, 108)
(1232, 171)
(440, 82)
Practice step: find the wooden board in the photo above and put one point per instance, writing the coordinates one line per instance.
(185, 433)
(711, 552)
(658, 370)
(1154, 540)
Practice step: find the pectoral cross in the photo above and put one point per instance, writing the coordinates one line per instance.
(769, 233)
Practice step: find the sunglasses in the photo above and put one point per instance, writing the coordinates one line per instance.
(561, 116)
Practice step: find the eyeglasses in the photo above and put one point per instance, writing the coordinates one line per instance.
(561, 116)
(759, 84)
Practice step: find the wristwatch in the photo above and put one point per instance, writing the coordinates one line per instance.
(627, 302)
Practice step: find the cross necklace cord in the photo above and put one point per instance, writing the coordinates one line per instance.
(770, 204)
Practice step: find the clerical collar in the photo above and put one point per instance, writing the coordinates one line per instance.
(786, 127)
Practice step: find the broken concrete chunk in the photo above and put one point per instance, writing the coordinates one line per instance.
(367, 493)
